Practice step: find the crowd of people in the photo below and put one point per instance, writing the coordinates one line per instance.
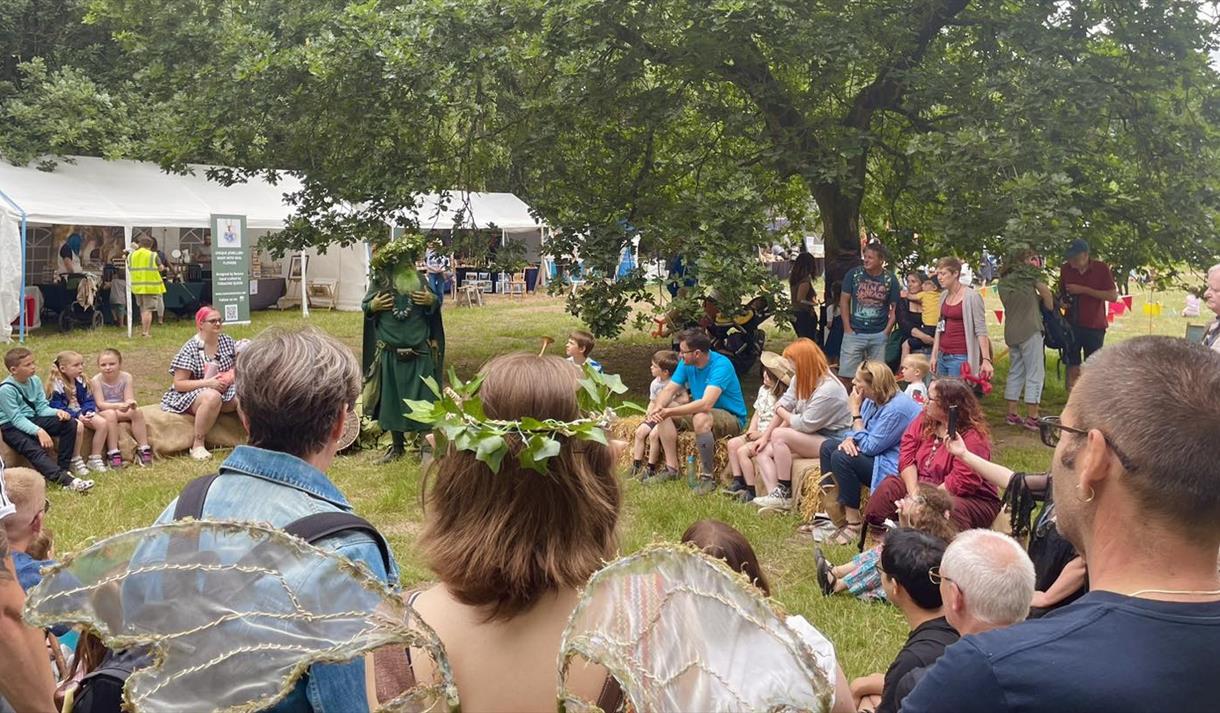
(1114, 605)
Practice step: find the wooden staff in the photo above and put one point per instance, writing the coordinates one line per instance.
(546, 342)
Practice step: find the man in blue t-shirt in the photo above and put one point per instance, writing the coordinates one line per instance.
(1137, 491)
(866, 305)
(716, 409)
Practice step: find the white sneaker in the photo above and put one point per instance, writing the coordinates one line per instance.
(78, 466)
(200, 453)
(79, 486)
(775, 499)
(96, 464)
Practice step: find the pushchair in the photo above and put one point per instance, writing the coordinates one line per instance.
(82, 311)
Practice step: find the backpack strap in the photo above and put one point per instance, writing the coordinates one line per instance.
(190, 500)
(321, 525)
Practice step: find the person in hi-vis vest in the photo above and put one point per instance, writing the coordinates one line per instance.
(146, 283)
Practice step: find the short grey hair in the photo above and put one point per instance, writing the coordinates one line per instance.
(994, 574)
(293, 387)
(1213, 270)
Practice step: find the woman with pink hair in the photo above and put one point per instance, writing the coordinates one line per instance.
(203, 378)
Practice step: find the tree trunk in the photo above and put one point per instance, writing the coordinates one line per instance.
(841, 234)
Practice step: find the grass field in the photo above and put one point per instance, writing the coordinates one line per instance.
(865, 635)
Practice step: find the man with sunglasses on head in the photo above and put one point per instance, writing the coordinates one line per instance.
(1136, 479)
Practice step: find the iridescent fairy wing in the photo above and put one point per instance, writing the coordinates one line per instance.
(681, 632)
(233, 614)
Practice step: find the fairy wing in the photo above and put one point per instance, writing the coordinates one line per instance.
(233, 614)
(681, 632)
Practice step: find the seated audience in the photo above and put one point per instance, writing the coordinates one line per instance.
(664, 364)
(914, 372)
(1060, 574)
(1137, 491)
(203, 378)
(923, 458)
(717, 408)
(907, 561)
(777, 373)
(720, 540)
(512, 549)
(578, 348)
(68, 390)
(1211, 294)
(115, 392)
(986, 581)
(927, 512)
(814, 408)
(27, 422)
(867, 454)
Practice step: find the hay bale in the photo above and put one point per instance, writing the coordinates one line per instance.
(624, 430)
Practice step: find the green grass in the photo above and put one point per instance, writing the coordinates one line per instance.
(866, 635)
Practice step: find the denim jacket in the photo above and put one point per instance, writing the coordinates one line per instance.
(267, 486)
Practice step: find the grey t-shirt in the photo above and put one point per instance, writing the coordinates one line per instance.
(1022, 314)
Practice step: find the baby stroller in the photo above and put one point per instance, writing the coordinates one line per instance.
(739, 338)
(83, 311)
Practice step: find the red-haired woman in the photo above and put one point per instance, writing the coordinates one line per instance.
(814, 408)
(924, 458)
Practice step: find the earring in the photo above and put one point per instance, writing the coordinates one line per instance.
(1091, 495)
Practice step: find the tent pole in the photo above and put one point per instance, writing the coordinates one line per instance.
(21, 288)
(304, 288)
(127, 275)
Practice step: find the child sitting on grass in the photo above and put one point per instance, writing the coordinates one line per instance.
(929, 300)
(914, 371)
(663, 365)
(114, 390)
(28, 423)
(68, 390)
(579, 347)
(777, 373)
(928, 512)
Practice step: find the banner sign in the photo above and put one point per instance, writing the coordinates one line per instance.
(231, 268)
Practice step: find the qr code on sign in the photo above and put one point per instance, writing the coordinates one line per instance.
(230, 313)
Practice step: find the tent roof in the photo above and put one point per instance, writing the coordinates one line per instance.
(86, 190)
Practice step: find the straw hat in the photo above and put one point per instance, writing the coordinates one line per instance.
(778, 366)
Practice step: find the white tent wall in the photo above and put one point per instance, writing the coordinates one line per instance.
(10, 271)
(348, 265)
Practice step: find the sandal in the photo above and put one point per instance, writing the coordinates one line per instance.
(826, 577)
(849, 534)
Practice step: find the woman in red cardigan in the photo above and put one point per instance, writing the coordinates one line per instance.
(923, 458)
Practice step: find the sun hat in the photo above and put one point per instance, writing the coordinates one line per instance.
(779, 366)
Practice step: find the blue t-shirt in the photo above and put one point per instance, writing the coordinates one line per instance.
(1105, 653)
(871, 298)
(718, 372)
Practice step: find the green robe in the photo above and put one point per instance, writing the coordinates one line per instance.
(402, 376)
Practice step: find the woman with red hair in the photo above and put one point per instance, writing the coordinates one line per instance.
(814, 408)
(203, 378)
(924, 457)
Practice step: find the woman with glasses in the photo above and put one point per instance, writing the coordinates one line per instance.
(924, 458)
(203, 378)
(1060, 577)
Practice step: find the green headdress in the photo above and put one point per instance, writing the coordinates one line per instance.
(408, 246)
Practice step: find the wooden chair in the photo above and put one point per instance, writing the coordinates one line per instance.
(516, 285)
(471, 293)
(323, 293)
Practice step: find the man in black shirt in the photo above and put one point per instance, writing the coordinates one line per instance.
(907, 560)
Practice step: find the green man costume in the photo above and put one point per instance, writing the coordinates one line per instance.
(404, 339)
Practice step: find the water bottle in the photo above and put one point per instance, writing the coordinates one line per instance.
(692, 474)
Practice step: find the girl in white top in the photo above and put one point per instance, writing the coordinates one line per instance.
(777, 372)
(115, 392)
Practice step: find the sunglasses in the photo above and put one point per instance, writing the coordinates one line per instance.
(1051, 428)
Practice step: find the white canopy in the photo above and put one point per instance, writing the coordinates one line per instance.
(85, 190)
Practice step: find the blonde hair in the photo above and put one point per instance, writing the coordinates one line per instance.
(880, 379)
(55, 374)
(500, 541)
(919, 363)
(26, 489)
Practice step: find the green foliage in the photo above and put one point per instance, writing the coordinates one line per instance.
(406, 248)
(459, 420)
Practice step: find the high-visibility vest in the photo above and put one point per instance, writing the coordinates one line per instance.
(144, 276)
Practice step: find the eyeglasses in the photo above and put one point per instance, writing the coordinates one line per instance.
(46, 505)
(1050, 427)
(936, 577)
(214, 320)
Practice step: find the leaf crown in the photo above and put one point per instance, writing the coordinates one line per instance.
(458, 418)
(408, 246)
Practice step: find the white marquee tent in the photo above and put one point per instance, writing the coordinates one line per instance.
(131, 194)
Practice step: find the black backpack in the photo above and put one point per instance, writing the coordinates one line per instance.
(101, 691)
(1056, 332)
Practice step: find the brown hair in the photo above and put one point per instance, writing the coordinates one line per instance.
(666, 360)
(499, 541)
(955, 392)
(928, 513)
(584, 340)
(810, 363)
(724, 542)
(950, 263)
(15, 356)
(880, 379)
(1163, 420)
(144, 241)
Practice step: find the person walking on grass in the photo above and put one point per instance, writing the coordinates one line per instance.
(146, 283)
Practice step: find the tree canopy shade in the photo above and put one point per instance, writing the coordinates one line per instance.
(967, 123)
